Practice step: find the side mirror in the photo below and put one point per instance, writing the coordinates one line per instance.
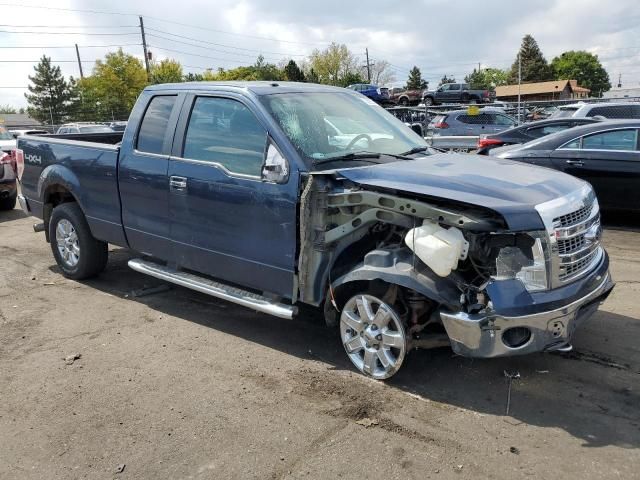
(275, 168)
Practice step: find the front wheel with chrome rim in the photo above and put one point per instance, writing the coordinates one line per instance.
(373, 336)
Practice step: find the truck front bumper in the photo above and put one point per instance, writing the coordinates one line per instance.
(493, 335)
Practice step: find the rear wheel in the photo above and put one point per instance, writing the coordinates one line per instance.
(373, 336)
(404, 101)
(428, 101)
(78, 254)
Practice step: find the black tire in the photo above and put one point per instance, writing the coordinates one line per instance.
(8, 203)
(404, 101)
(465, 97)
(93, 254)
(428, 101)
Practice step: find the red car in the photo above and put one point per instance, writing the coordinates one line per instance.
(8, 187)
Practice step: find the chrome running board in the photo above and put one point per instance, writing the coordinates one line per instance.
(215, 289)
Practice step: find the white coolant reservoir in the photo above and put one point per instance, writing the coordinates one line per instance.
(439, 248)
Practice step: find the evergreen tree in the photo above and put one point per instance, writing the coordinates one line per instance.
(446, 79)
(534, 66)
(415, 81)
(49, 93)
(293, 73)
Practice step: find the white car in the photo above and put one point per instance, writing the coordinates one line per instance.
(7, 141)
(17, 132)
(617, 110)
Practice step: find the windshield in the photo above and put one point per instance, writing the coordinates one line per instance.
(4, 135)
(563, 113)
(327, 125)
(95, 129)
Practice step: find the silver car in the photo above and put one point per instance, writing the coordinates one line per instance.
(465, 123)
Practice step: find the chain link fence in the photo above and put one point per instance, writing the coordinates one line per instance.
(459, 126)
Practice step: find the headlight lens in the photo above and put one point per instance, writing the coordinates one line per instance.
(527, 265)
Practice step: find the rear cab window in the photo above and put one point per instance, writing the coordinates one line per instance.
(153, 128)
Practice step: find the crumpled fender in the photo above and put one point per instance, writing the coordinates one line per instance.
(396, 266)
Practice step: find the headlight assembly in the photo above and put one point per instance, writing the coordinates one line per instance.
(525, 263)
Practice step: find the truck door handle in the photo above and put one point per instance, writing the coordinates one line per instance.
(577, 163)
(177, 183)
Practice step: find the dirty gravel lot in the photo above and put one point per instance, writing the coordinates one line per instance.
(180, 385)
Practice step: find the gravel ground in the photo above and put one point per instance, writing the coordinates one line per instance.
(181, 385)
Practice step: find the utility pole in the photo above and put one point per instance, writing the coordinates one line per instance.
(366, 51)
(619, 80)
(479, 67)
(79, 62)
(144, 47)
(519, 83)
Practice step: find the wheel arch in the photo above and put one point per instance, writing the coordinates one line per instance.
(373, 271)
(57, 185)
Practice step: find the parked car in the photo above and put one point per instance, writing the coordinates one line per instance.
(83, 128)
(18, 132)
(377, 94)
(7, 141)
(605, 154)
(8, 184)
(239, 190)
(529, 131)
(457, 93)
(118, 126)
(464, 123)
(611, 110)
(404, 97)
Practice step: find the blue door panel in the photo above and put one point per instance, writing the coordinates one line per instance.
(237, 229)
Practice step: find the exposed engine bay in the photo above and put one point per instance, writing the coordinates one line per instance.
(435, 252)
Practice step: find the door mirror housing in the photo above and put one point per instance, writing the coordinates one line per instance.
(275, 168)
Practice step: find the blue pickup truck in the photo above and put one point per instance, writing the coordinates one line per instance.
(272, 195)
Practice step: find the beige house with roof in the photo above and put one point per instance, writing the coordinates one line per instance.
(543, 91)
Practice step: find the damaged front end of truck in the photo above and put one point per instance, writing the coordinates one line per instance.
(398, 269)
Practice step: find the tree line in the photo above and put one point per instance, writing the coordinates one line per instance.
(110, 92)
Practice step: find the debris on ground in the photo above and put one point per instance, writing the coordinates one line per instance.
(510, 376)
(143, 292)
(119, 468)
(367, 422)
(515, 450)
(69, 359)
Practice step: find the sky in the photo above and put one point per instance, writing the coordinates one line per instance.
(439, 36)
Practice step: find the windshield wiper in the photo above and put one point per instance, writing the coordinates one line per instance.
(367, 156)
(415, 150)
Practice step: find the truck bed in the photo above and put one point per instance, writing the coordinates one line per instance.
(74, 160)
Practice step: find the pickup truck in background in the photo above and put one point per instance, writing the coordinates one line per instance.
(457, 93)
(404, 97)
(272, 195)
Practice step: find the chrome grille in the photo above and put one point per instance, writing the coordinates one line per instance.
(571, 245)
(574, 269)
(573, 224)
(574, 217)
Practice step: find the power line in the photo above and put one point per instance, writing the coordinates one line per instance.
(18, 5)
(71, 46)
(204, 47)
(68, 26)
(220, 44)
(241, 62)
(68, 33)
